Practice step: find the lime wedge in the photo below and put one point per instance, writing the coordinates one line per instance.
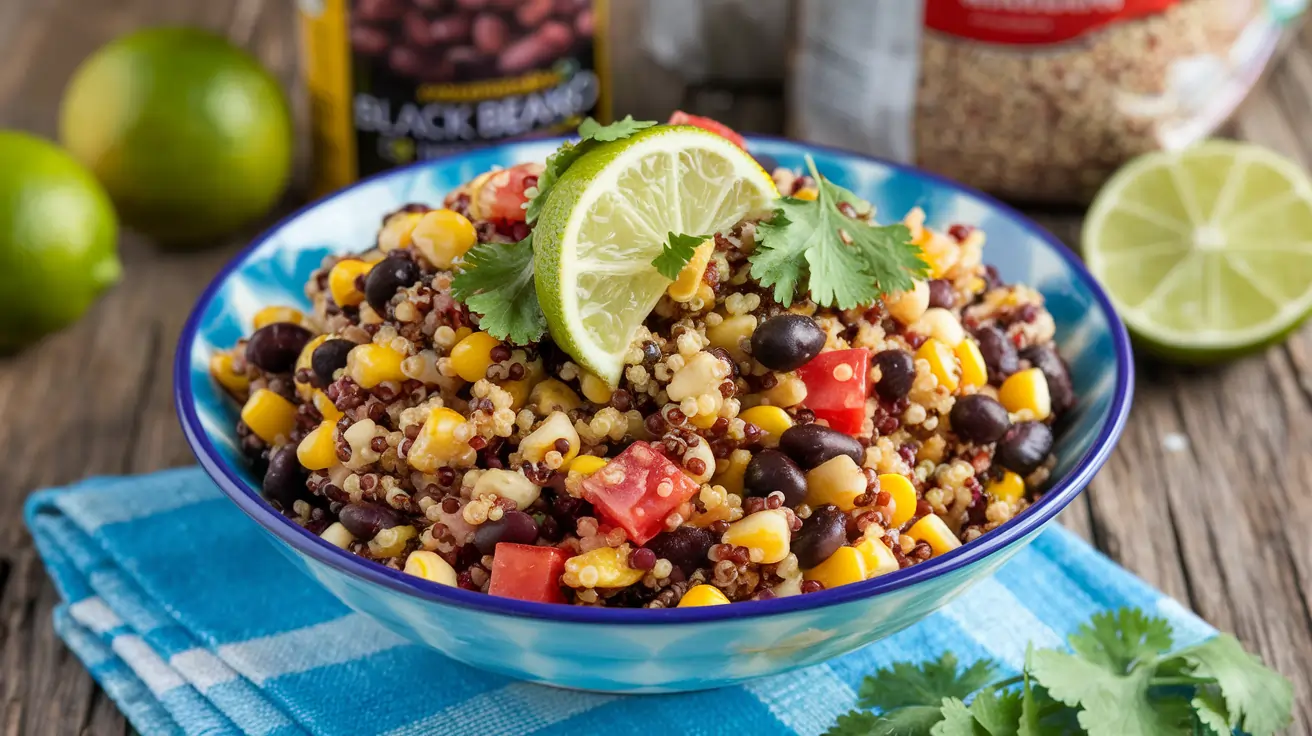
(610, 214)
(1206, 252)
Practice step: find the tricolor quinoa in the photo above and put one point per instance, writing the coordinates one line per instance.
(749, 451)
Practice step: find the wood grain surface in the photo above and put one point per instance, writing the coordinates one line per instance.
(1207, 497)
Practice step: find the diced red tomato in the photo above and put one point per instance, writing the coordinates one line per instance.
(837, 383)
(500, 196)
(715, 126)
(637, 490)
(527, 572)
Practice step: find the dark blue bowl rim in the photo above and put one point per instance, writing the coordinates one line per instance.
(1054, 500)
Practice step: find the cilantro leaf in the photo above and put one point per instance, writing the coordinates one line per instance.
(1117, 640)
(1110, 704)
(1259, 700)
(1030, 704)
(844, 261)
(676, 253)
(854, 723)
(957, 721)
(1209, 708)
(590, 133)
(906, 684)
(997, 711)
(497, 283)
(591, 130)
(916, 720)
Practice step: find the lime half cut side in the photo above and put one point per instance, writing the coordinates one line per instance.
(1206, 252)
(612, 212)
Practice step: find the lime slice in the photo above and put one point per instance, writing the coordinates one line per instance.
(1206, 252)
(610, 214)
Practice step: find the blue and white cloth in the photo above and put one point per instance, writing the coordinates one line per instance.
(182, 610)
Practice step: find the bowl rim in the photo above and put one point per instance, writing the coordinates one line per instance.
(247, 497)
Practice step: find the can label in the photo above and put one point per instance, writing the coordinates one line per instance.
(397, 81)
(1032, 22)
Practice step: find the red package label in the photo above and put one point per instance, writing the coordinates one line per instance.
(1032, 22)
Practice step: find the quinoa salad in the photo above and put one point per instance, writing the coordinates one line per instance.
(749, 448)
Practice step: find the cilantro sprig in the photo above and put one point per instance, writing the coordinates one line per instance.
(1120, 679)
(496, 280)
(676, 253)
(818, 246)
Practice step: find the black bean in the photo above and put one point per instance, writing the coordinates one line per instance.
(284, 480)
(979, 419)
(365, 520)
(686, 547)
(1046, 359)
(812, 444)
(651, 353)
(821, 536)
(770, 471)
(897, 373)
(941, 294)
(274, 348)
(515, 527)
(787, 342)
(1024, 447)
(385, 279)
(999, 353)
(328, 358)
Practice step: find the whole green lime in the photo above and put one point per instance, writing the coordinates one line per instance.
(57, 239)
(188, 133)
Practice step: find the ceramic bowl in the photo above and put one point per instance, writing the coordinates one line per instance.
(633, 651)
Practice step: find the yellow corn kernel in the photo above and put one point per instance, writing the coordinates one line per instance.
(702, 595)
(437, 445)
(508, 484)
(940, 324)
(789, 391)
(974, 373)
(553, 395)
(391, 542)
(770, 419)
(1027, 391)
(846, 565)
(704, 421)
(371, 364)
(472, 356)
(430, 566)
(269, 415)
(976, 285)
(397, 230)
(586, 465)
(908, 306)
(604, 567)
(318, 451)
(341, 281)
(303, 363)
(731, 333)
(539, 442)
(236, 383)
(271, 315)
(838, 481)
(809, 194)
(904, 497)
(933, 531)
(327, 409)
(765, 534)
(878, 557)
(594, 389)
(1010, 488)
(473, 189)
(444, 236)
(684, 288)
(942, 363)
(337, 535)
(731, 476)
(940, 252)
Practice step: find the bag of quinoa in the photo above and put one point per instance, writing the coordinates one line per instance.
(1031, 99)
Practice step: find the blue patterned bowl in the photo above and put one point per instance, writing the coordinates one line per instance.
(642, 651)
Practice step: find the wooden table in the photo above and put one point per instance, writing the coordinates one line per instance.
(1208, 496)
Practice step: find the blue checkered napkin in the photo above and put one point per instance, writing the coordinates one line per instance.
(186, 615)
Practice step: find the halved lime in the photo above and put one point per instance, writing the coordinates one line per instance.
(1206, 252)
(609, 216)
